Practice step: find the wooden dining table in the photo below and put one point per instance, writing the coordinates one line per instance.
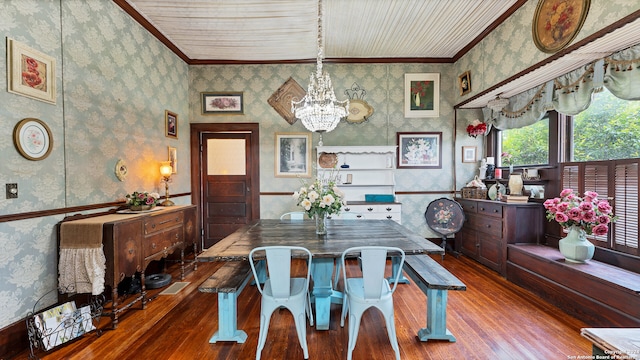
(341, 235)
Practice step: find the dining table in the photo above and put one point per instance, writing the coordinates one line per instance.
(325, 249)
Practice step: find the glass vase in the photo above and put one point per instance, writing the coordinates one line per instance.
(515, 184)
(321, 224)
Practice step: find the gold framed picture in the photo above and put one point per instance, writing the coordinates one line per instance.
(171, 124)
(30, 73)
(293, 155)
(557, 22)
(464, 83)
(173, 158)
(33, 139)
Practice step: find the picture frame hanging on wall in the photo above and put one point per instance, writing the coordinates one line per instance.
(30, 72)
(419, 150)
(293, 155)
(469, 154)
(557, 22)
(421, 95)
(464, 83)
(222, 103)
(171, 124)
(33, 139)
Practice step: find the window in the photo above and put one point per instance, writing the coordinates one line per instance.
(525, 146)
(608, 129)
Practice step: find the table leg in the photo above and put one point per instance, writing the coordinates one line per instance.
(436, 317)
(395, 267)
(323, 293)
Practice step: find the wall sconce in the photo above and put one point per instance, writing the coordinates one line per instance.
(165, 171)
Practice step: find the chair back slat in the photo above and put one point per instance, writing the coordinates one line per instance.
(279, 262)
(374, 261)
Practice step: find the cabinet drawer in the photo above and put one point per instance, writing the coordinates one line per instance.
(487, 225)
(490, 209)
(374, 208)
(161, 222)
(470, 207)
(163, 241)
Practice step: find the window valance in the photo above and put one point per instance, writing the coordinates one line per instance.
(572, 93)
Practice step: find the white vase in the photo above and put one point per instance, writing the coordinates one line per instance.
(515, 184)
(575, 247)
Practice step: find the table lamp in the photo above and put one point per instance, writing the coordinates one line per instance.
(165, 171)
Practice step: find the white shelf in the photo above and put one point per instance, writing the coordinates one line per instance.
(371, 169)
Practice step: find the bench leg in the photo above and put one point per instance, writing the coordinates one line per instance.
(228, 320)
(395, 267)
(436, 317)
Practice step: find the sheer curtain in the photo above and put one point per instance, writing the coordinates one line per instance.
(572, 93)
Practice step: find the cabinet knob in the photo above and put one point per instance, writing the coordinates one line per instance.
(177, 236)
(482, 208)
(488, 226)
(369, 209)
(495, 210)
(389, 217)
(347, 209)
(388, 209)
(153, 245)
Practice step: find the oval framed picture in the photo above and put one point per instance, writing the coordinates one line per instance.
(32, 138)
(557, 22)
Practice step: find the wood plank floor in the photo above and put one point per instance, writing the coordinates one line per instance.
(493, 319)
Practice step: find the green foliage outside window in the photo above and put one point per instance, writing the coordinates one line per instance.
(528, 145)
(608, 129)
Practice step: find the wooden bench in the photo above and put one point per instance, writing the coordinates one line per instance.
(228, 281)
(434, 280)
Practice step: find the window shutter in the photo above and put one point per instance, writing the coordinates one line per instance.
(625, 230)
(596, 179)
(570, 177)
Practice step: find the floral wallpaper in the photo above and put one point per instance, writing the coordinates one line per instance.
(114, 82)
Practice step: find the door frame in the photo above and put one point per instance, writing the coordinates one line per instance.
(197, 130)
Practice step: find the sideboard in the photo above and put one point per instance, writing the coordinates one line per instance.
(490, 225)
(131, 241)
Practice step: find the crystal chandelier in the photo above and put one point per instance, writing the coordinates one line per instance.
(319, 110)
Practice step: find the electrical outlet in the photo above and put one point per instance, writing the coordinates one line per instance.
(12, 191)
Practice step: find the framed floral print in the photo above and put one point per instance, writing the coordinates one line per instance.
(293, 155)
(33, 139)
(417, 150)
(421, 95)
(222, 103)
(171, 124)
(464, 83)
(557, 22)
(30, 73)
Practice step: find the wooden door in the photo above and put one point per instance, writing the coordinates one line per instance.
(228, 180)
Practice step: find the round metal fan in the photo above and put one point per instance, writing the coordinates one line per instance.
(445, 217)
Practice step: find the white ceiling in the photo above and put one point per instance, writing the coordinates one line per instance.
(272, 30)
(286, 30)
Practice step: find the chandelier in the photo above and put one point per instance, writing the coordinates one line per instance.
(498, 103)
(319, 110)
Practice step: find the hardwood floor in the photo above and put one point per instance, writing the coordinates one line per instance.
(493, 319)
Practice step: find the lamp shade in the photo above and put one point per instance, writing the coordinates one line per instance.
(165, 168)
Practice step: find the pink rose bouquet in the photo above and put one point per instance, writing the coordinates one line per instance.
(589, 213)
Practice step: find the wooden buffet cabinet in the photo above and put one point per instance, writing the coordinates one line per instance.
(132, 242)
(490, 225)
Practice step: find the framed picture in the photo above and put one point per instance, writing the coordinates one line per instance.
(281, 99)
(418, 150)
(32, 137)
(222, 103)
(30, 73)
(171, 124)
(421, 95)
(469, 154)
(173, 157)
(464, 83)
(557, 22)
(293, 155)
